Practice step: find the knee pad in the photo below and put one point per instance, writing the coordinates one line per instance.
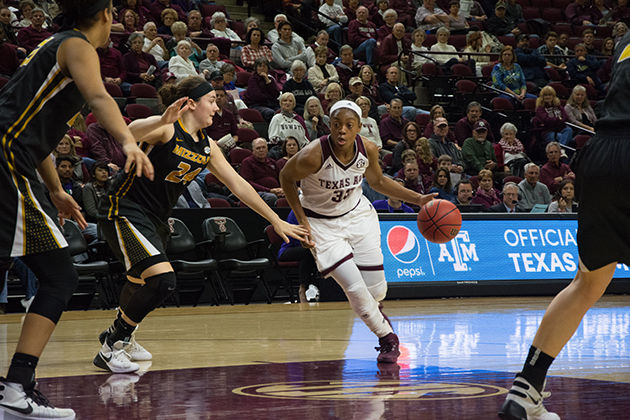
(57, 282)
(163, 284)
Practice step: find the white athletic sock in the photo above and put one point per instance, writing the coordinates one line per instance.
(362, 302)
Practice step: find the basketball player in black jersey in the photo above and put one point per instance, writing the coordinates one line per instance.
(134, 215)
(37, 106)
(602, 179)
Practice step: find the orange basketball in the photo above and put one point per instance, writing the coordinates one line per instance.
(439, 221)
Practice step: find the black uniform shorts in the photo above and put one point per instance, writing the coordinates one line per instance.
(136, 238)
(603, 193)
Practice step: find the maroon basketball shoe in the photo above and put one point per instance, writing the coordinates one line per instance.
(388, 349)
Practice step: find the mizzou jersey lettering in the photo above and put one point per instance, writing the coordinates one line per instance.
(37, 106)
(176, 164)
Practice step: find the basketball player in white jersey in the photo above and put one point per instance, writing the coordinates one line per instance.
(344, 233)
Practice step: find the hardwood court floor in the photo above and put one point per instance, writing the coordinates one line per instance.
(264, 361)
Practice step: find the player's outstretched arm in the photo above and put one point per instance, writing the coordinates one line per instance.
(79, 61)
(306, 162)
(388, 186)
(248, 195)
(68, 208)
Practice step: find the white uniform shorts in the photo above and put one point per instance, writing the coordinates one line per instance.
(355, 235)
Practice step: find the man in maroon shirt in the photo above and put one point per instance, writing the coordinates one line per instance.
(391, 125)
(29, 37)
(347, 67)
(224, 125)
(464, 127)
(362, 34)
(262, 172)
(112, 68)
(554, 172)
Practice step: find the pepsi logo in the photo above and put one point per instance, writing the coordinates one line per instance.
(403, 244)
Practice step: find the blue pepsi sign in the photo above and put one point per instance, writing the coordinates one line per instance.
(483, 250)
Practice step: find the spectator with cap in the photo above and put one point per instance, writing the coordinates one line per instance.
(464, 127)
(262, 172)
(500, 24)
(322, 73)
(362, 35)
(211, 63)
(391, 125)
(168, 77)
(531, 190)
(477, 151)
(301, 88)
(440, 145)
(392, 205)
(486, 194)
(287, 49)
(262, 92)
(554, 172)
(509, 202)
(356, 88)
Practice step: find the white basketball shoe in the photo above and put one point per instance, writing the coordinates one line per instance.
(524, 402)
(17, 403)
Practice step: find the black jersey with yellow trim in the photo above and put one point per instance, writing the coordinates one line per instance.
(176, 164)
(615, 111)
(38, 105)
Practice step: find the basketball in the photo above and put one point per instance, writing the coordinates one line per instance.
(439, 221)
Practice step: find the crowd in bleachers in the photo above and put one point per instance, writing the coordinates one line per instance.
(465, 98)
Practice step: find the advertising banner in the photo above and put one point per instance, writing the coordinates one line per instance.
(483, 250)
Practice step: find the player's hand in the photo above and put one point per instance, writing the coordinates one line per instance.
(284, 230)
(425, 198)
(68, 208)
(175, 111)
(137, 157)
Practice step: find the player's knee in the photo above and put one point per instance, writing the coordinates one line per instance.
(54, 293)
(163, 284)
(379, 290)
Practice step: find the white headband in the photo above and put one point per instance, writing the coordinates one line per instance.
(347, 105)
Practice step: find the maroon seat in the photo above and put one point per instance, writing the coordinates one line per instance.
(251, 115)
(461, 70)
(143, 90)
(246, 135)
(474, 181)
(387, 160)
(237, 156)
(135, 111)
(581, 139)
(486, 71)
(430, 69)
(218, 202)
(531, 13)
(553, 15)
(562, 91)
(529, 104)
(211, 179)
(113, 90)
(464, 86)
(242, 77)
(502, 104)
(423, 119)
(207, 10)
